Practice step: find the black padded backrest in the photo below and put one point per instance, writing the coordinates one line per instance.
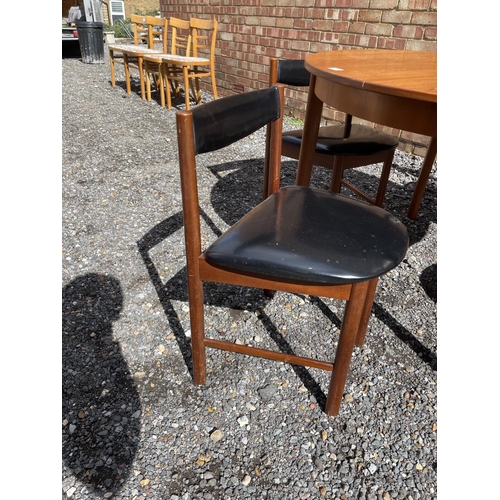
(293, 72)
(219, 123)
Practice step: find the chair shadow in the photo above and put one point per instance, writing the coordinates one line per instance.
(178, 102)
(231, 203)
(215, 294)
(175, 289)
(100, 403)
(428, 280)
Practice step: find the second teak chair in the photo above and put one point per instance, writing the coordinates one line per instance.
(339, 147)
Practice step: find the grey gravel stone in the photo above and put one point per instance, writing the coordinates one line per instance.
(134, 424)
(267, 392)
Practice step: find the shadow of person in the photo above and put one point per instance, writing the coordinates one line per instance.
(100, 404)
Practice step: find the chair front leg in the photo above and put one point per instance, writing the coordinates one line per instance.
(148, 80)
(141, 77)
(350, 325)
(127, 73)
(384, 180)
(367, 311)
(186, 86)
(160, 86)
(167, 85)
(197, 321)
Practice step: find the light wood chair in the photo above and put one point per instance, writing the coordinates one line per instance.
(188, 70)
(339, 147)
(180, 44)
(298, 240)
(150, 37)
(141, 36)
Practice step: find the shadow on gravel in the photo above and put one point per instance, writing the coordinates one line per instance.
(219, 295)
(170, 291)
(178, 102)
(100, 403)
(428, 280)
(423, 352)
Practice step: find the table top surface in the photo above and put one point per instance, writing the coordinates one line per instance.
(403, 73)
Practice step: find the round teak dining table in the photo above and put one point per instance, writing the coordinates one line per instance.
(395, 88)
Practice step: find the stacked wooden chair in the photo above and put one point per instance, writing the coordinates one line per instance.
(150, 37)
(186, 67)
(180, 45)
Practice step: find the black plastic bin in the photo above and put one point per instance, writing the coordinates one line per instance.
(91, 38)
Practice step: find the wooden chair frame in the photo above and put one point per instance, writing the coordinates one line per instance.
(358, 296)
(338, 163)
(201, 63)
(148, 32)
(180, 44)
(141, 35)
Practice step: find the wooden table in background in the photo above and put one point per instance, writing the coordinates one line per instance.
(395, 88)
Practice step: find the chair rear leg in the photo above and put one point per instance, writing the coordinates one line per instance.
(335, 184)
(348, 333)
(148, 80)
(127, 73)
(384, 179)
(214, 83)
(194, 89)
(198, 91)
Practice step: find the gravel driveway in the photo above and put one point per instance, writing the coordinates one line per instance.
(134, 426)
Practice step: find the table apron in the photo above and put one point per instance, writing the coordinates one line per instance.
(404, 113)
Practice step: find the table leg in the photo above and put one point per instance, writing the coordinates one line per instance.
(425, 171)
(309, 136)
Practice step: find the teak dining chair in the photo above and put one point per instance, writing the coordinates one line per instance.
(188, 70)
(299, 239)
(150, 37)
(339, 147)
(180, 45)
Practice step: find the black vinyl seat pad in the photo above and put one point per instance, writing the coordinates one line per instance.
(311, 235)
(362, 140)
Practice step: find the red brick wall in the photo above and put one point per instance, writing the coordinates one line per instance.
(252, 31)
